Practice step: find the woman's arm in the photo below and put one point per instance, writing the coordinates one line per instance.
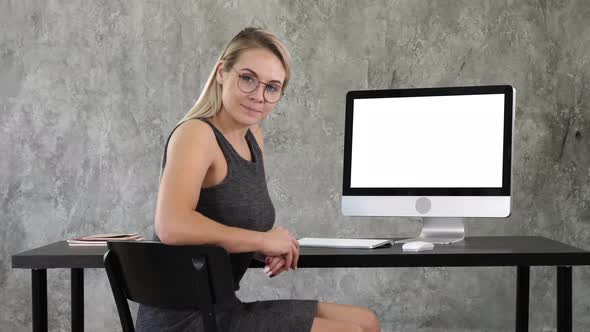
(190, 153)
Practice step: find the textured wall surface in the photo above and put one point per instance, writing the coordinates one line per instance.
(89, 90)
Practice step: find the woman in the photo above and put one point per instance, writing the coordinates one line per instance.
(213, 191)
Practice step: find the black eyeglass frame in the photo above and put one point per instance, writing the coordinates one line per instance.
(257, 85)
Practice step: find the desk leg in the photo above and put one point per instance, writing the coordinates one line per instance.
(77, 300)
(564, 299)
(39, 285)
(522, 298)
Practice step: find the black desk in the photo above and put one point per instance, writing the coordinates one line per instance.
(519, 251)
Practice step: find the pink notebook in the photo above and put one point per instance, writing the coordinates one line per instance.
(101, 239)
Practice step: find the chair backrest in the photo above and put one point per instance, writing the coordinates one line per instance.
(173, 277)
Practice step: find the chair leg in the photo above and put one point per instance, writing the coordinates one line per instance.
(205, 303)
(113, 269)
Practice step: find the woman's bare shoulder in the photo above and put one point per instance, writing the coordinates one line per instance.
(192, 134)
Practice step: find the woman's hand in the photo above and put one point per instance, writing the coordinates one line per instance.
(279, 242)
(287, 247)
(277, 265)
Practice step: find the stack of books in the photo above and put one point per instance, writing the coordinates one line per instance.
(101, 239)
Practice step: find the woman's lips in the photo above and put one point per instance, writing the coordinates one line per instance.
(251, 109)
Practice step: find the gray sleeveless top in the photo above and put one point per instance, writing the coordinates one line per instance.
(241, 199)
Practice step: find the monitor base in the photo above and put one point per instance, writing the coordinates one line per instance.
(440, 231)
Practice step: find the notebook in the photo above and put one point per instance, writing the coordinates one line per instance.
(343, 243)
(101, 239)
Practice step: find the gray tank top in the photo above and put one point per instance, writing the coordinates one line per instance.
(241, 199)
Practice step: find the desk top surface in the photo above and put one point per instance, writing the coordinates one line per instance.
(473, 251)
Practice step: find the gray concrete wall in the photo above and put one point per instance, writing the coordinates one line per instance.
(89, 90)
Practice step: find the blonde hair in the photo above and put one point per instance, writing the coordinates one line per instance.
(210, 102)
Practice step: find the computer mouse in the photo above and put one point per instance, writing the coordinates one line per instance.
(417, 246)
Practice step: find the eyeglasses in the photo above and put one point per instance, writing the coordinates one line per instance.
(248, 83)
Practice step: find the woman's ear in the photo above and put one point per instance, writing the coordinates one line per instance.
(219, 73)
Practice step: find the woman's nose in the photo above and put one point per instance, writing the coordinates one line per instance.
(258, 94)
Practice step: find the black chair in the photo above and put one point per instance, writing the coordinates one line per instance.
(173, 277)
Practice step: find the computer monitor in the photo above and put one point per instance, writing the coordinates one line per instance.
(442, 154)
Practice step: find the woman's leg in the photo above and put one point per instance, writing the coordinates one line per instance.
(329, 325)
(359, 316)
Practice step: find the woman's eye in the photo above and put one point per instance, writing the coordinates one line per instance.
(273, 88)
(248, 79)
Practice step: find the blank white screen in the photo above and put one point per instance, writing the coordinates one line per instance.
(418, 142)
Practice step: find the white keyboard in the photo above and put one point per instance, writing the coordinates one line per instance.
(343, 243)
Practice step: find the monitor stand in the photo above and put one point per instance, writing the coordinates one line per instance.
(440, 231)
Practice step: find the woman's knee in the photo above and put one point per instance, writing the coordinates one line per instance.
(367, 319)
(370, 322)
